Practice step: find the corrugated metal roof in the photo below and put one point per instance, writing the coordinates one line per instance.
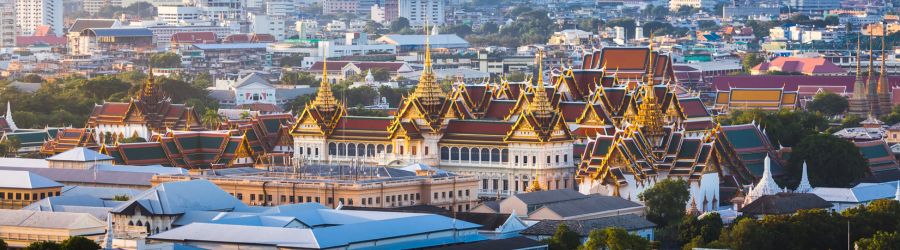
(80, 154)
(52, 220)
(25, 180)
(121, 32)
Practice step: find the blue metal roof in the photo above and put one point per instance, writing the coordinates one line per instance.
(122, 32)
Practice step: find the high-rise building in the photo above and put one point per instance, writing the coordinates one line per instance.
(340, 6)
(813, 6)
(7, 24)
(391, 10)
(221, 9)
(176, 15)
(417, 11)
(94, 6)
(263, 24)
(31, 14)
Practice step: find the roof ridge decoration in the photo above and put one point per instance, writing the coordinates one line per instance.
(540, 105)
(325, 100)
(428, 90)
(883, 86)
(650, 117)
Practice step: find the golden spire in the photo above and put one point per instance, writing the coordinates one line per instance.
(883, 85)
(859, 86)
(649, 116)
(325, 100)
(535, 185)
(540, 105)
(428, 91)
(650, 63)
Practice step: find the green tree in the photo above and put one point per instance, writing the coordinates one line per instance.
(750, 60)
(893, 117)
(461, 30)
(878, 215)
(614, 238)
(399, 25)
(851, 121)
(381, 74)
(121, 197)
(564, 238)
(211, 119)
(299, 78)
(832, 162)
(79, 243)
(44, 245)
(299, 103)
(588, 24)
(489, 28)
(707, 228)
(291, 61)
(102, 87)
(748, 234)
(783, 127)
(165, 60)
(666, 201)
(828, 103)
(3, 245)
(881, 240)
(707, 25)
(202, 80)
(373, 27)
(32, 78)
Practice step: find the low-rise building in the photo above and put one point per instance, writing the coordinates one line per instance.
(21, 188)
(634, 224)
(332, 185)
(19, 228)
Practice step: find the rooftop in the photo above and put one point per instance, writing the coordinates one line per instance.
(629, 222)
(80, 154)
(49, 220)
(25, 180)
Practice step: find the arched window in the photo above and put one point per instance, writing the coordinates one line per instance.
(445, 153)
(351, 149)
(475, 156)
(379, 149)
(464, 154)
(360, 149)
(557, 158)
(485, 155)
(342, 149)
(131, 223)
(140, 224)
(332, 149)
(370, 150)
(390, 149)
(504, 155)
(495, 155)
(454, 153)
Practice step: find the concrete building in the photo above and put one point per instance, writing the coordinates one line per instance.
(177, 15)
(31, 14)
(279, 8)
(20, 188)
(306, 29)
(332, 185)
(7, 24)
(264, 24)
(417, 11)
(813, 6)
(19, 228)
(94, 6)
(340, 6)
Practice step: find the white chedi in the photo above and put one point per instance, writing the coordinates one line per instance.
(804, 186)
(766, 185)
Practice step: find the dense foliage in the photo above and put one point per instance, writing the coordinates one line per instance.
(614, 238)
(783, 127)
(832, 161)
(69, 100)
(666, 201)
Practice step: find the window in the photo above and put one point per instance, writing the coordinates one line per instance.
(467, 193)
(378, 199)
(451, 194)
(525, 159)
(516, 159)
(566, 158)
(459, 193)
(445, 153)
(268, 197)
(435, 195)
(548, 159)
(485, 155)
(252, 197)
(426, 150)
(332, 149)
(240, 196)
(464, 154)
(417, 196)
(330, 200)
(284, 198)
(351, 149)
(27, 197)
(504, 155)
(342, 149)
(496, 184)
(495, 155)
(475, 156)
(443, 194)
(505, 185)
(454, 154)
(484, 184)
(533, 160)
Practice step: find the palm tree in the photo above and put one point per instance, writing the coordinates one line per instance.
(211, 119)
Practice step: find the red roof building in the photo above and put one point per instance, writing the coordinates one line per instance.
(818, 66)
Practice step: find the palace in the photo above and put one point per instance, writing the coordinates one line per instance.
(523, 136)
(151, 112)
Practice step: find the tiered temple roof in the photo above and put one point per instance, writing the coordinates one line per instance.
(151, 108)
(187, 149)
